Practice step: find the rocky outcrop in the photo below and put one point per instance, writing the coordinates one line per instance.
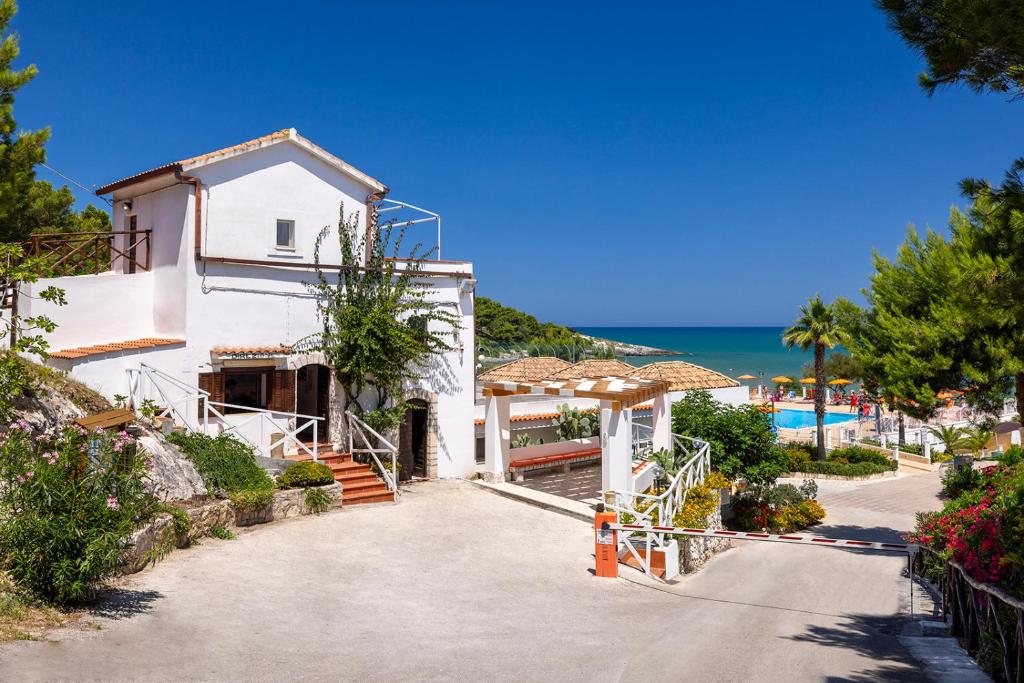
(54, 400)
(172, 475)
(149, 543)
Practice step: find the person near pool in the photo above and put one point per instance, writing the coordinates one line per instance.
(853, 401)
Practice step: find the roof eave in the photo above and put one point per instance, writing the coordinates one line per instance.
(167, 169)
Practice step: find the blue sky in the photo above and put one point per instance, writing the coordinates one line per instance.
(664, 164)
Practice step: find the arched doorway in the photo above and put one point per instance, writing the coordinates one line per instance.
(313, 397)
(412, 440)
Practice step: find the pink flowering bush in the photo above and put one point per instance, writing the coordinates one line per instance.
(68, 506)
(982, 529)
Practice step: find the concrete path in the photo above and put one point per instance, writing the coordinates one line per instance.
(456, 583)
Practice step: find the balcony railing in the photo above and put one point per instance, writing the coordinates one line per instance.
(89, 253)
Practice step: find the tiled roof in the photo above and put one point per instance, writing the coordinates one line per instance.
(255, 143)
(129, 345)
(594, 368)
(278, 350)
(529, 369)
(683, 376)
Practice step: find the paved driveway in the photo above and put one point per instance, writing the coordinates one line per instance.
(458, 583)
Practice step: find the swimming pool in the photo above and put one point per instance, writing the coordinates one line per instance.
(801, 419)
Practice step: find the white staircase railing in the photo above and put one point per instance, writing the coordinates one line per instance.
(360, 428)
(651, 510)
(191, 408)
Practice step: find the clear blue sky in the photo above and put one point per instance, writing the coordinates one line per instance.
(657, 164)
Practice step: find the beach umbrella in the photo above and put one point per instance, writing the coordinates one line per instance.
(746, 377)
(767, 408)
(808, 380)
(945, 395)
(840, 381)
(781, 379)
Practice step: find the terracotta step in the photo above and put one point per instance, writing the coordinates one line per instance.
(368, 497)
(343, 468)
(363, 486)
(355, 477)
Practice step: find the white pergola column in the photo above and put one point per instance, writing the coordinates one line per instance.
(661, 424)
(616, 449)
(496, 438)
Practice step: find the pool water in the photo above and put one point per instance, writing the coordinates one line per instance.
(801, 419)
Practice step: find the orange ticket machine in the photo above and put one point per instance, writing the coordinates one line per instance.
(606, 544)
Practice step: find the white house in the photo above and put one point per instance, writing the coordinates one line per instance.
(201, 297)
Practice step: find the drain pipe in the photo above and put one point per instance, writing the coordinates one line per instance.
(198, 185)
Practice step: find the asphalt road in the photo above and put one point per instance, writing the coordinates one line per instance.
(456, 583)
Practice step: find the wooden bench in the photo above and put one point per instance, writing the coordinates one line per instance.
(119, 418)
(563, 460)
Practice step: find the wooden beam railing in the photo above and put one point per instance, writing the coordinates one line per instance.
(89, 253)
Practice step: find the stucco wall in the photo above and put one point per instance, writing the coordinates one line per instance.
(100, 308)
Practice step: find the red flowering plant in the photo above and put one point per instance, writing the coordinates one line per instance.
(68, 505)
(981, 528)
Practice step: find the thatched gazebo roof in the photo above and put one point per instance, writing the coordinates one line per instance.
(683, 376)
(595, 367)
(531, 369)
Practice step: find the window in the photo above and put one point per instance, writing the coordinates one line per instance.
(247, 387)
(285, 234)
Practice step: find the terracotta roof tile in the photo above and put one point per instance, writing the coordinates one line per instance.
(683, 376)
(594, 368)
(529, 369)
(278, 350)
(129, 345)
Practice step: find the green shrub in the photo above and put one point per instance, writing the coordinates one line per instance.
(741, 438)
(67, 507)
(701, 502)
(227, 465)
(779, 509)
(842, 469)
(182, 522)
(856, 454)
(959, 480)
(221, 533)
(317, 500)
(305, 474)
(251, 499)
(1014, 455)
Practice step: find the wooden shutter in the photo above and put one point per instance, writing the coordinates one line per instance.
(282, 393)
(212, 382)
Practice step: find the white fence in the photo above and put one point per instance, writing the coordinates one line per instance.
(271, 433)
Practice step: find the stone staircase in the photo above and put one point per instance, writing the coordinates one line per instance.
(359, 483)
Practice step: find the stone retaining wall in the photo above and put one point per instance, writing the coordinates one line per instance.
(157, 538)
(696, 551)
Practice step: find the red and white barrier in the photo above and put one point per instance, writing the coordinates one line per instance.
(907, 548)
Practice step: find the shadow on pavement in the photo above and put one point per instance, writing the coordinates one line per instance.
(877, 534)
(872, 636)
(123, 604)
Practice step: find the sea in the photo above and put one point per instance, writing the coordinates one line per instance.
(732, 351)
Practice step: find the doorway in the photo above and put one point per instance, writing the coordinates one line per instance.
(412, 440)
(312, 397)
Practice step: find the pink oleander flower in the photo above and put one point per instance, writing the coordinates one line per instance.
(40, 437)
(112, 503)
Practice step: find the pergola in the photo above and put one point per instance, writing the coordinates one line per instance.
(617, 396)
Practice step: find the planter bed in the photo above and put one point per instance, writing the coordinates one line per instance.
(157, 538)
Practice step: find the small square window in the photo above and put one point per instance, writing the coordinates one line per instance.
(285, 234)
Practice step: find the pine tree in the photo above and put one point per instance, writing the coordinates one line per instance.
(19, 152)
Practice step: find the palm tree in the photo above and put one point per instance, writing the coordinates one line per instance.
(953, 438)
(977, 438)
(816, 327)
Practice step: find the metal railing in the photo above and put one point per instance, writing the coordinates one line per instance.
(986, 620)
(172, 398)
(660, 509)
(358, 427)
(89, 253)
